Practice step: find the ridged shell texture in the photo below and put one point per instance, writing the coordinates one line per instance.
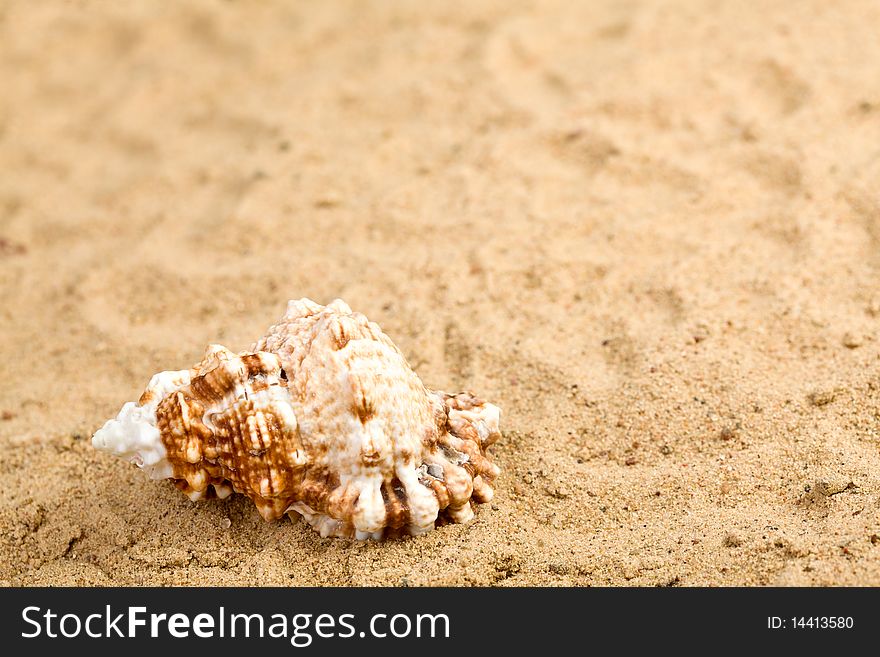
(322, 418)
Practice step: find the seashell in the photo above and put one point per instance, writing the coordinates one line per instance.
(322, 418)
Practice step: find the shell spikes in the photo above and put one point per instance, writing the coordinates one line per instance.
(323, 418)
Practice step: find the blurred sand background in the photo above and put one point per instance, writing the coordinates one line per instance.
(649, 231)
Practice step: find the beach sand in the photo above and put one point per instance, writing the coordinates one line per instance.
(648, 231)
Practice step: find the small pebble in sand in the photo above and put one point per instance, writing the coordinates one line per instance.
(10, 248)
(821, 397)
(327, 201)
(700, 332)
(559, 492)
(558, 568)
(852, 341)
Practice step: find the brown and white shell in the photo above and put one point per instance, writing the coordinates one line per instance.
(323, 418)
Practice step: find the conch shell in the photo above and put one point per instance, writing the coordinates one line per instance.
(323, 418)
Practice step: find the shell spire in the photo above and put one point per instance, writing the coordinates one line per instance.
(322, 418)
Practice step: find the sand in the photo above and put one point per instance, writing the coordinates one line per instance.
(649, 231)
